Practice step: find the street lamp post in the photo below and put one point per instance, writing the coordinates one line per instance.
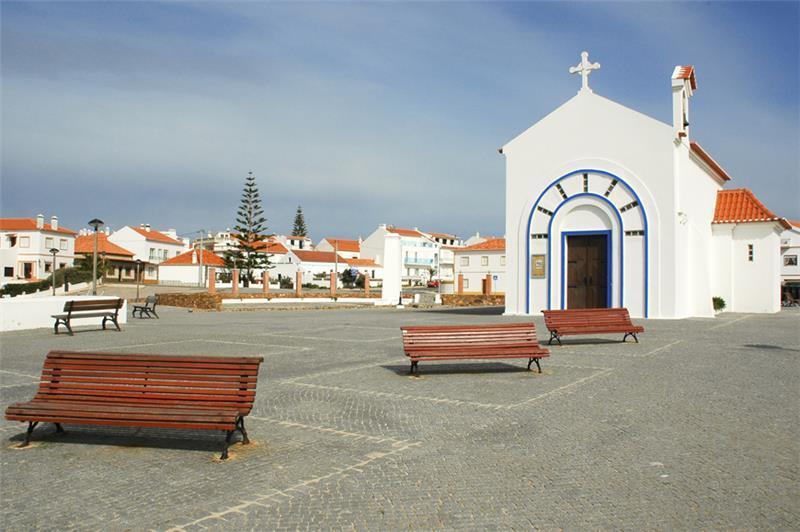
(53, 282)
(96, 224)
(138, 276)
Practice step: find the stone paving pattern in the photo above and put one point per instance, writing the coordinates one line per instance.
(695, 427)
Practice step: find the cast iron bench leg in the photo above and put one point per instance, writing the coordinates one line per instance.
(31, 426)
(531, 361)
(240, 423)
(228, 435)
(414, 367)
(554, 336)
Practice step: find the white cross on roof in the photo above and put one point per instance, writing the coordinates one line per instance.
(584, 68)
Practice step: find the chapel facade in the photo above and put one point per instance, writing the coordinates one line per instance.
(608, 207)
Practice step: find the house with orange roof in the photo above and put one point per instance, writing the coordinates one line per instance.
(608, 207)
(348, 248)
(419, 252)
(189, 268)
(25, 245)
(316, 266)
(150, 246)
(474, 263)
(115, 262)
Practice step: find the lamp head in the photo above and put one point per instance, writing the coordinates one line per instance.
(96, 223)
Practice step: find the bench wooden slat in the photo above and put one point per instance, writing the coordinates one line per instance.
(203, 392)
(590, 321)
(461, 342)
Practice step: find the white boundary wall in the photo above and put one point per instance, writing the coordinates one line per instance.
(34, 313)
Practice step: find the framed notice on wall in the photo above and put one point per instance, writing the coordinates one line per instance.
(537, 266)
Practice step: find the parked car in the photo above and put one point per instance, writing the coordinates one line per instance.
(433, 284)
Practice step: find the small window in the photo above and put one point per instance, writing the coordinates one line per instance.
(466, 284)
(750, 252)
(8, 271)
(47, 267)
(62, 244)
(48, 242)
(484, 260)
(62, 265)
(465, 261)
(502, 260)
(24, 241)
(790, 260)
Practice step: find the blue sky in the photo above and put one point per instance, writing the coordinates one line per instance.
(362, 113)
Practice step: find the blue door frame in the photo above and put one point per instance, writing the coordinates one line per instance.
(609, 263)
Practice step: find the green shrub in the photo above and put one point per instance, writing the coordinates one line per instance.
(286, 282)
(74, 275)
(719, 303)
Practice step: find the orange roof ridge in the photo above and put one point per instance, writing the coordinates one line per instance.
(491, 244)
(85, 244)
(29, 224)
(209, 259)
(740, 205)
(156, 236)
(706, 158)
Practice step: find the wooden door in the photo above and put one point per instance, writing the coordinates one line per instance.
(587, 271)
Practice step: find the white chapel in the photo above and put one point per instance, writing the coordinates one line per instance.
(608, 207)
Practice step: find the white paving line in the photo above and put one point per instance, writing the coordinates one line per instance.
(300, 488)
(562, 388)
(16, 385)
(731, 322)
(333, 372)
(328, 430)
(324, 339)
(19, 374)
(116, 347)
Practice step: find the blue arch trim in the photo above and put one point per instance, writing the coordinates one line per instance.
(621, 244)
(528, 238)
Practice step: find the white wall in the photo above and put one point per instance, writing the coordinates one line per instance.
(744, 285)
(36, 252)
(790, 246)
(33, 313)
(141, 246)
(591, 132)
(475, 271)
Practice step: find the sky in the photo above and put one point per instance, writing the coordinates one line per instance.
(362, 113)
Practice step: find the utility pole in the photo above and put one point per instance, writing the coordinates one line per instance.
(201, 273)
(96, 224)
(336, 262)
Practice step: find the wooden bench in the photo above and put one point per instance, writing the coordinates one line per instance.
(459, 342)
(149, 307)
(588, 321)
(126, 390)
(108, 309)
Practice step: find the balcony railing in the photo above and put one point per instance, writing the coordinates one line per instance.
(412, 260)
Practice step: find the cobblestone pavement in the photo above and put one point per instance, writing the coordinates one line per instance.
(695, 427)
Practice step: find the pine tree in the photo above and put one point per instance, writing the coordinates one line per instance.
(299, 223)
(249, 231)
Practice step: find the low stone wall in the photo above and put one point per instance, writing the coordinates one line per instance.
(291, 295)
(196, 300)
(473, 300)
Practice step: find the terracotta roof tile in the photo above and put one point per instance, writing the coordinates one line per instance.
(316, 256)
(209, 259)
(795, 223)
(706, 158)
(405, 232)
(741, 206)
(492, 244)
(85, 244)
(686, 72)
(274, 248)
(156, 236)
(29, 224)
(343, 244)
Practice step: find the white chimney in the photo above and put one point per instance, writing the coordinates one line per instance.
(39, 221)
(147, 227)
(195, 253)
(54, 222)
(684, 84)
(108, 231)
(141, 226)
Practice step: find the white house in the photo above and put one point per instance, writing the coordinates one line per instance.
(190, 268)
(606, 206)
(148, 245)
(118, 263)
(294, 242)
(315, 266)
(419, 253)
(473, 263)
(445, 268)
(790, 255)
(349, 249)
(25, 245)
(366, 267)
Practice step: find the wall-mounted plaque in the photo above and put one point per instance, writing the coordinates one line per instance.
(537, 267)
